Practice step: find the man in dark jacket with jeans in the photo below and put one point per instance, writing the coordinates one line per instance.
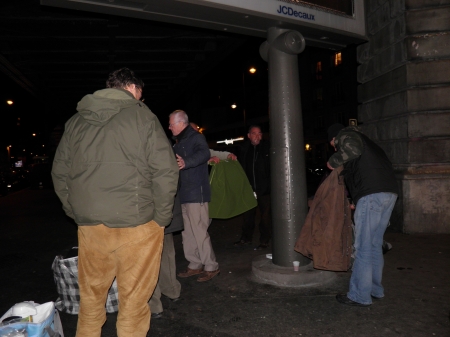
(371, 182)
(192, 154)
(116, 176)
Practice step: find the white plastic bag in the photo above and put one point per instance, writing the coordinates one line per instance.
(45, 323)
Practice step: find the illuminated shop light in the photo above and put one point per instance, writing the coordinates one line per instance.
(230, 141)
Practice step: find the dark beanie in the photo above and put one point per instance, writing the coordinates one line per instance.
(333, 131)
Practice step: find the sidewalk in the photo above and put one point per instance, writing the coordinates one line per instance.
(416, 279)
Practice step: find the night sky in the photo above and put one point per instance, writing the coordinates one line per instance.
(219, 88)
(20, 120)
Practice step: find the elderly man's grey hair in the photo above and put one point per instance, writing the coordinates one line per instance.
(181, 116)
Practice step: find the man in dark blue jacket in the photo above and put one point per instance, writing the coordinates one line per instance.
(370, 179)
(192, 154)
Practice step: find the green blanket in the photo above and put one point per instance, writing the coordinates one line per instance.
(231, 193)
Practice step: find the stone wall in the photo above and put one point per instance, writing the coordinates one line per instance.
(405, 104)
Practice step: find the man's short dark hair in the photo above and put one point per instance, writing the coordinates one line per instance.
(254, 126)
(122, 78)
(333, 131)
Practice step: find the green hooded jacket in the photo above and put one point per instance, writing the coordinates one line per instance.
(114, 164)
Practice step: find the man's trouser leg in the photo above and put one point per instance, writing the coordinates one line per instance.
(371, 219)
(133, 256)
(96, 271)
(167, 283)
(155, 301)
(248, 227)
(196, 241)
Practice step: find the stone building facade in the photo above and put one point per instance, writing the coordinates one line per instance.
(404, 100)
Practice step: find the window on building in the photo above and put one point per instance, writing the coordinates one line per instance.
(319, 122)
(319, 70)
(340, 117)
(337, 59)
(339, 93)
(319, 94)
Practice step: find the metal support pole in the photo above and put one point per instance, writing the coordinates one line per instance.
(287, 161)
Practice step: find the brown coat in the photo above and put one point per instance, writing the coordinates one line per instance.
(326, 236)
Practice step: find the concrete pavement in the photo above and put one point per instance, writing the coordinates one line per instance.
(416, 278)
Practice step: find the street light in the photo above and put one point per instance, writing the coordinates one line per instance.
(252, 70)
(8, 148)
(9, 102)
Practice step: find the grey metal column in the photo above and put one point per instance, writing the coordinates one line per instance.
(287, 161)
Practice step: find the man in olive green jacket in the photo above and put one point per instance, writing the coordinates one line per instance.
(116, 175)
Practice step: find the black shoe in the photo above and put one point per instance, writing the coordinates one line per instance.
(242, 243)
(342, 298)
(176, 299)
(156, 315)
(262, 246)
(376, 298)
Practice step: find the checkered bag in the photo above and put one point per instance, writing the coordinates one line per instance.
(65, 274)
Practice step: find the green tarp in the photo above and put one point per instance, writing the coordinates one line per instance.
(231, 193)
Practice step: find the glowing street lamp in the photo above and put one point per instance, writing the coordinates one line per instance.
(233, 106)
(252, 70)
(9, 102)
(8, 148)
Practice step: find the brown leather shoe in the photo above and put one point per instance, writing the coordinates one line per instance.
(190, 272)
(207, 275)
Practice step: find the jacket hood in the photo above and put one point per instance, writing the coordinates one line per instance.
(98, 108)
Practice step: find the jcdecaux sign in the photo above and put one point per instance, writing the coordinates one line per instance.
(288, 11)
(344, 17)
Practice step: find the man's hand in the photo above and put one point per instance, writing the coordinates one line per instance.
(214, 159)
(232, 156)
(329, 166)
(180, 162)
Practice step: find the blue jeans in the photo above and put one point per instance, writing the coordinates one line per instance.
(372, 216)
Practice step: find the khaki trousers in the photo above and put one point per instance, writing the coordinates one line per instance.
(132, 255)
(168, 284)
(196, 241)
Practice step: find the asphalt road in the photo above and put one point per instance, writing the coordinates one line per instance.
(34, 230)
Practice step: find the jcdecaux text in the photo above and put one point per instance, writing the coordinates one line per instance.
(291, 12)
